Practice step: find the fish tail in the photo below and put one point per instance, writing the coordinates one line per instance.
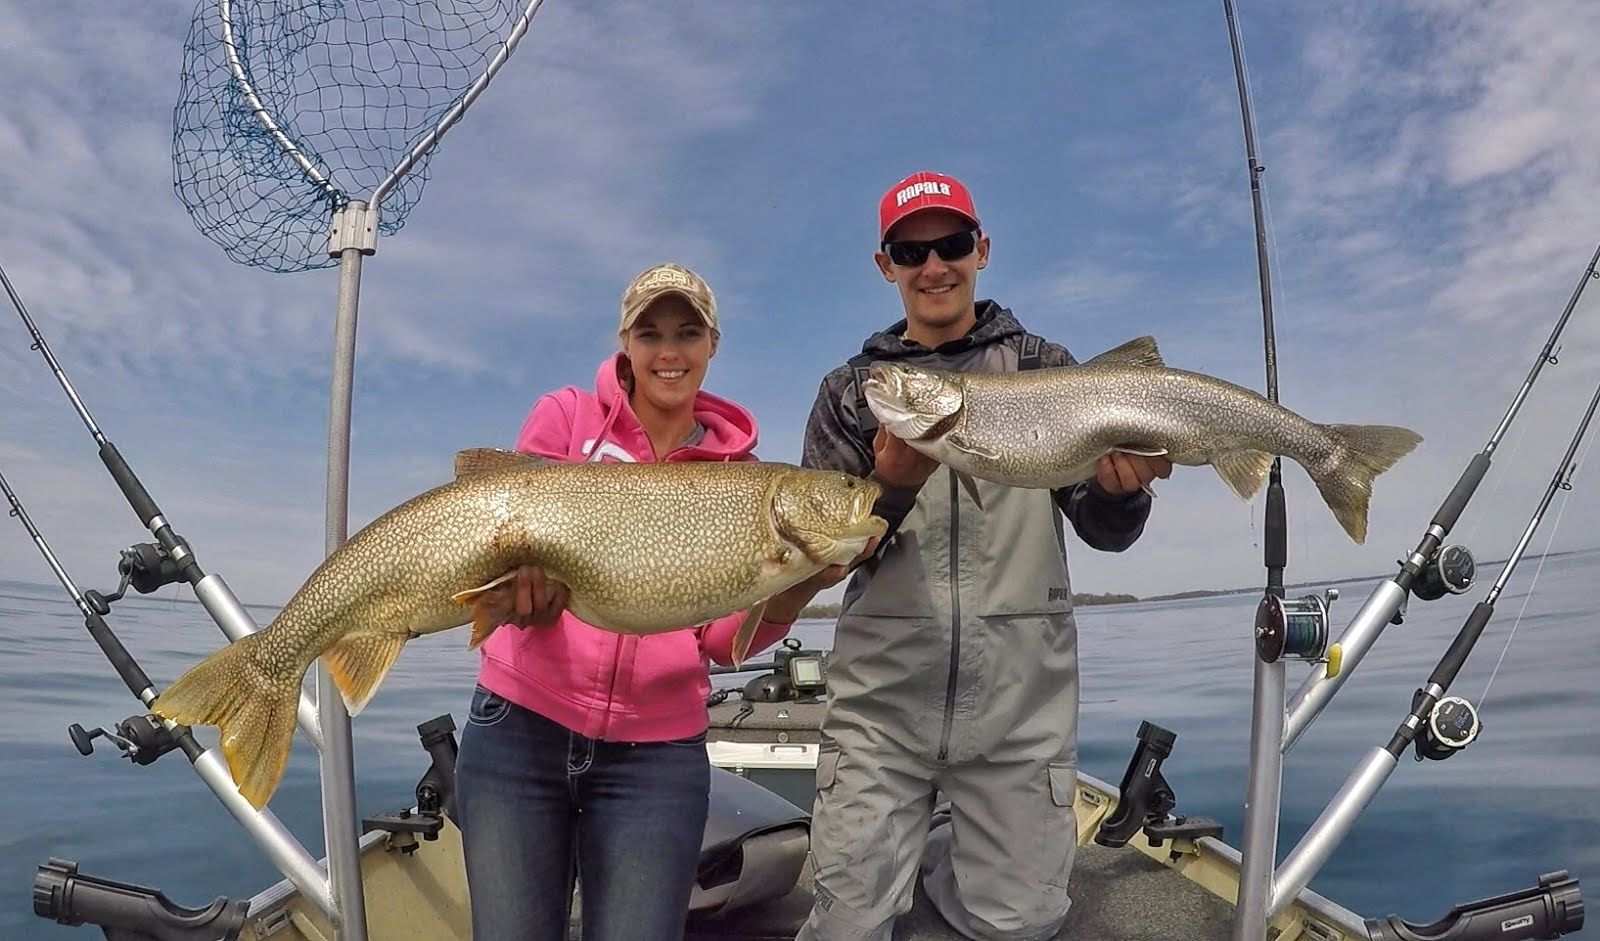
(1361, 453)
(257, 719)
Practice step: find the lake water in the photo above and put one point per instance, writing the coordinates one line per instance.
(1519, 802)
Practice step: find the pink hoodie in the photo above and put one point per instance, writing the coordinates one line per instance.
(600, 684)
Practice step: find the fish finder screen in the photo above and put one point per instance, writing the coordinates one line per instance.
(806, 671)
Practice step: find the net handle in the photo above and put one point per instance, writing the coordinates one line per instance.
(225, 11)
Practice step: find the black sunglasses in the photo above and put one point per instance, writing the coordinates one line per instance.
(909, 254)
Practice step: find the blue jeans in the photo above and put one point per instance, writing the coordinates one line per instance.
(540, 805)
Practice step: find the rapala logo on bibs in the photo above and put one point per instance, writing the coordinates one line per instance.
(925, 188)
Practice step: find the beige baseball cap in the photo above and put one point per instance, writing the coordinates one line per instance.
(655, 283)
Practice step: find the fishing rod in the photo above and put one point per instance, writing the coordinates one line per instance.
(1438, 726)
(143, 739)
(1264, 785)
(147, 567)
(1275, 542)
(1299, 628)
(1432, 570)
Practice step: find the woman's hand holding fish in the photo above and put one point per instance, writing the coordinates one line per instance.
(1120, 473)
(786, 605)
(539, 601)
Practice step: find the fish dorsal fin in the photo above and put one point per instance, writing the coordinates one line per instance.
(1140, 351)
(485, 460)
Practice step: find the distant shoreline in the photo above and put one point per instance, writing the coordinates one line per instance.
(1089, 599)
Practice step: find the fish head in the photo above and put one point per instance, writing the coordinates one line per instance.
(827, 515)
(914, 403)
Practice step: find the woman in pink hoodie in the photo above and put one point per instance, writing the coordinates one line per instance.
(583, 756)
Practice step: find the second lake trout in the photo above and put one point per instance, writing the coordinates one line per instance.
(1047, 428)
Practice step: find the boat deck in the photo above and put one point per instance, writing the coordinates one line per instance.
(1180, 891)
(1117, 895)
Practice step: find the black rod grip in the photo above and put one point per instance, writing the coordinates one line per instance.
(132, 674)
(139, 498)
(1450, 664)
(1451, 509)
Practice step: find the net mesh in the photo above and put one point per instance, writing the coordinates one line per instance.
(353, 86)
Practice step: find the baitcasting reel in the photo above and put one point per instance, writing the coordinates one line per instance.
(141, 739)
(1297, 627)
(146, 567)
(1452, 569)
(1452, 725)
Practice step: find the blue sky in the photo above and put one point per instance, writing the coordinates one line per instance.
(1430, 168)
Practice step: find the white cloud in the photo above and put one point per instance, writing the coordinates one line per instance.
(555, 172)
(551, 185)
(1429, 173)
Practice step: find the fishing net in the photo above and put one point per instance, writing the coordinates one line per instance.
(347, 89)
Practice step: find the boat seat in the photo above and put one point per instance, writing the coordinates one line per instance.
(754, 847)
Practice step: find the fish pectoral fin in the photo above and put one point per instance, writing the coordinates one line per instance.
(488, 613)
(485, 460)
(778, 559)
(1243, 471)
(747, 632)
(359, 662)
(969, 485)
(492, 605)
(471, 595)
(1141, 450)
(1140, 351)
(972, 447)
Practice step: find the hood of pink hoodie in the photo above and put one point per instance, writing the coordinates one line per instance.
(730, 428)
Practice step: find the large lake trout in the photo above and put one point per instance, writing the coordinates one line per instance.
(643, 548)
(1047, 428)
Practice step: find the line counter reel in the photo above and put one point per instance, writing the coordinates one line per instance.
(1452, 725)
(1452, 569)
(1297, 627)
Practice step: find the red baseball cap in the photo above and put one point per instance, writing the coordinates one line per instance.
(924, 190)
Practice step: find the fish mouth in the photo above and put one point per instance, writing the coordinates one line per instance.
(885, 392)
(884, 376)
(866, 522)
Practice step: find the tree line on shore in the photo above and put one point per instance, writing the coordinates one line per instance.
(1078, 598)
(1091, 598)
